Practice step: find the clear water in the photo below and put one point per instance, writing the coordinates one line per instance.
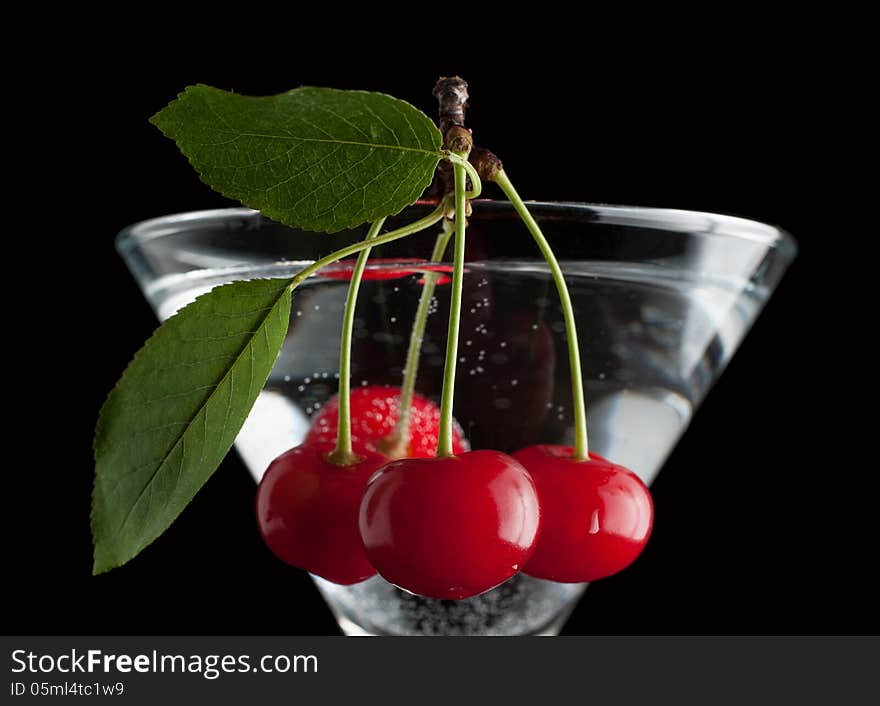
(652, 340)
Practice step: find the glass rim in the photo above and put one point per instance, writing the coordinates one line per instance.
(695, 223)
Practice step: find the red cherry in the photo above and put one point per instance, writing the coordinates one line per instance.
(596, 515)
(450, 527)
(374, 413)
(307, 511)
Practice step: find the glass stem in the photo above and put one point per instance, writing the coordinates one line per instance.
(581, 449)
(343, 455)
(444, 441)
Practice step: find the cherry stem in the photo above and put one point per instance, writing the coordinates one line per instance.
(395, 445)
(581, 448)
(476, 185)
(444, 441)
(426, 222)
(398, 440)
(343, 455)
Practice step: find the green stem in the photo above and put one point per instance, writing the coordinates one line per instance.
(444, 442)
(476, 184)
(435, 216)
(581, 449)
(395, 445)
(343, 455)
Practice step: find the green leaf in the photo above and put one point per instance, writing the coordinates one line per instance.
(314, 158)
(177, 409)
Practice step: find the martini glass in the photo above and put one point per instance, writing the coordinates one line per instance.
(662, 299)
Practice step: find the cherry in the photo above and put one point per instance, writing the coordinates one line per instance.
(374, 413)
(596, 515)
(307, 511)
(450, 527)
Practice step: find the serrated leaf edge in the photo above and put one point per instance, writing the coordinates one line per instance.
(98, 426)
(277, 215)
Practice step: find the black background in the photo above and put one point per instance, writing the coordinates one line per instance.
(764, 518)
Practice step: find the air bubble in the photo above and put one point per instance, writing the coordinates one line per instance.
(534, 327)
(393, 319)
(514, 382)
(287, 378)
(307, 380)
(468, 342)
(317, 307)
(503, 344)
(301, 388)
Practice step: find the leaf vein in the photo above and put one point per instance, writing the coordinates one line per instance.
(181, 439)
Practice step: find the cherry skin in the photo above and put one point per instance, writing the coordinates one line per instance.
(596, 515)
(451, 527)
(307, 511)
(374, 413)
